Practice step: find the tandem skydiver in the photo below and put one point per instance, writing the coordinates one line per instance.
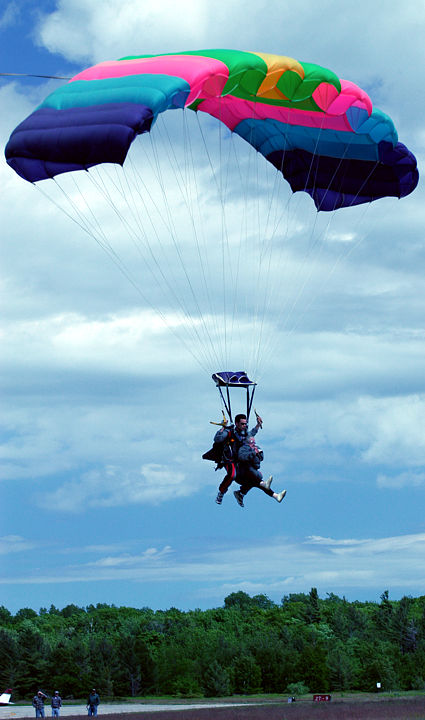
(229, 439)
(237, 452)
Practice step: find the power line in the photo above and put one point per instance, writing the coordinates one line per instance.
(50, 77)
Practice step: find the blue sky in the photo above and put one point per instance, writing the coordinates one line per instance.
(105, 415)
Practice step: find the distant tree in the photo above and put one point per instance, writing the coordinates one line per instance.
(216, 681)
(342, 666)
(5, 616)
(384, 615)
(31, 667)
(403, 626)
(312, 668)
(263, 602)
(246, 675)
(8, 657)
(313, 614)
(238, 599)
(298, 688)
(70, 610)
(26, 614)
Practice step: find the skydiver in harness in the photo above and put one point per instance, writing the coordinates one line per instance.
(248, 475)
(234, 446)
(229, 439)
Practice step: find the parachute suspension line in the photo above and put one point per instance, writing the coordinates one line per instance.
(171, 286)
(229, 272)
(103, 190)
(177, 249)
(259, 239)
(222, 235)
(234, 263)
(226, 271)
(288, 309)
(241, 284)
(217, 310)
(193, 202)
(106, 245)
(266, 250)
(272, 259)
(343, 255)
(135, 237)
(318, 246)
(209, 247)
(114, 257)
(97, 234)
(142, 236)
(340, 258)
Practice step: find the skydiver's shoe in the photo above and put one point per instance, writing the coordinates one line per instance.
(219, 498)
(239, 497)
(268, 482)
(281, 495)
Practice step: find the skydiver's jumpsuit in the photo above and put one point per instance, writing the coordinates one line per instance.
(249, 475)
(233, 439)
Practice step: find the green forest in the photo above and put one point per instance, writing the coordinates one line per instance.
(249, 645)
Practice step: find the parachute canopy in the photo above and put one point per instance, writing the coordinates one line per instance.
(321, 132)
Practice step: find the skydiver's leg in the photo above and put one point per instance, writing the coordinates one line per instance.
(226, 482)
(244, 479)
(254, 478)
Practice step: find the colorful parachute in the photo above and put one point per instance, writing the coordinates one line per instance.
(319, 131)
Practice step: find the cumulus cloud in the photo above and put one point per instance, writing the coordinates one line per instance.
(82, 32)
(114, 488)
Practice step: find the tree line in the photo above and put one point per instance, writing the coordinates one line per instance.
(249, 645)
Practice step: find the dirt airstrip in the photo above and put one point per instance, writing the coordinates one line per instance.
(394, 709)
(384, 708)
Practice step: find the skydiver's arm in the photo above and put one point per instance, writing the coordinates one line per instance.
(222, 435)
(257, 427)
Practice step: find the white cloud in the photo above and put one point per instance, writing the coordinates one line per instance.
(9, 15)
(112, 487)
(15, 544)
(82, 31)
(149, 555)
(280, 566)
(402, 480)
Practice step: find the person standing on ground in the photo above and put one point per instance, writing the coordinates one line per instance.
(56, 704)
(93, 702)
(38, 704)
